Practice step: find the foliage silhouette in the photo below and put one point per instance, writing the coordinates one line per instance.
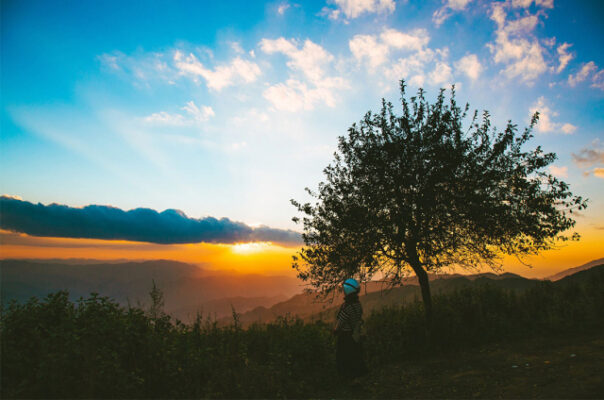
(95, 348)
(419, 192)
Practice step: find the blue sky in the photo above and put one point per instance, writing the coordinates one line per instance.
(229, 109)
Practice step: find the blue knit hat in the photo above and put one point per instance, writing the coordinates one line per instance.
(351, 286)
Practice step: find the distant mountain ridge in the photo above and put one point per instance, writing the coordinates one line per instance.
(186, 287)
(574, 270)
(307, 307)
(189, 289)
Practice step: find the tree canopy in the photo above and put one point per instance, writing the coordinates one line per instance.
(420, 192)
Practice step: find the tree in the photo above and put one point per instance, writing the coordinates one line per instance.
(419, 192)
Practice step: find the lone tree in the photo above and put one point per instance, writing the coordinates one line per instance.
(419, 192)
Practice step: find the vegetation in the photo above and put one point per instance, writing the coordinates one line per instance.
(420, 192)
(95, 348)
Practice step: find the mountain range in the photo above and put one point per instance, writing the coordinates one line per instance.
(189, 289)
(572, 271)
(308, 306)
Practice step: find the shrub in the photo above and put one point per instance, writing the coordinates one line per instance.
(54, 348)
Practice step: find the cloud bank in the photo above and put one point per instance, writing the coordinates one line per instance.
(140, 224)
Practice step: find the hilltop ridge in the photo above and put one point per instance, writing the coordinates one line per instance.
(570, 271)
(375, 296)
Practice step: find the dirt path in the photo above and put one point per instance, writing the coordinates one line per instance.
(552, 368)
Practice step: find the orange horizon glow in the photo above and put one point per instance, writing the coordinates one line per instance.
(260, 257)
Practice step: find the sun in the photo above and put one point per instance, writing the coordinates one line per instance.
(248, 248)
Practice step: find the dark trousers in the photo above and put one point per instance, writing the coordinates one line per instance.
(349, 356)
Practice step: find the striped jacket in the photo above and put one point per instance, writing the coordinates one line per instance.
(350, 316)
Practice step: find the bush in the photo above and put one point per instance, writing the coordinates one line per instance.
(478, 315)
(96, 348)
(54, 348)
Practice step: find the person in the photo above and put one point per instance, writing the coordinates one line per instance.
(349, 321)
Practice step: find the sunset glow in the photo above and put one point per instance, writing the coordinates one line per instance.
(263, 258)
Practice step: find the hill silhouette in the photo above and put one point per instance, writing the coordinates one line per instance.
(308, 306)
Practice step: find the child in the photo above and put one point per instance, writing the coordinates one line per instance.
(349, 352)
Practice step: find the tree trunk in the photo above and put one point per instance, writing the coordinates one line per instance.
(424, 284)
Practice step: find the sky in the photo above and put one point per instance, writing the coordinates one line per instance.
(221, 112)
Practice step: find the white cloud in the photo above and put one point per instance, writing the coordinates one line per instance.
(367, 47)
(441, 74)
(583, 73)
(599, 172)
(558, 172)
(520, 26)
(546, 115)
(379, 53)
(415, 40)
(311, 59)
(294, 95)
(282, 8)
(332, 14)
(355, 8)
(587, 70)
(597, 80)
(413, 67)
(238, 70)
(527, 3)
(514, 46)
(564, 57)
(309, 82)
(441, 15)
(290, 96)
(470, 66)
(447, 9)
(375, 49)
(281, 45)
(457, 5)
(199, 114)
(568, 128)
(194, 114)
